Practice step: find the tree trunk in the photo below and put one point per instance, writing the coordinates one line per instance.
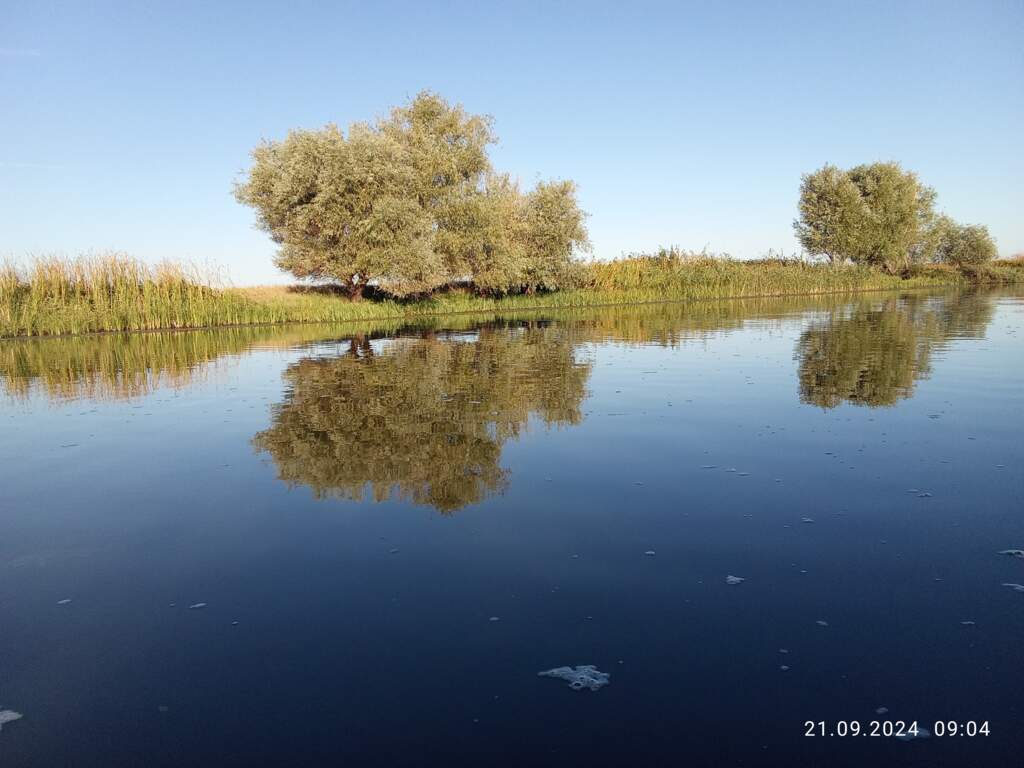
(355, 291)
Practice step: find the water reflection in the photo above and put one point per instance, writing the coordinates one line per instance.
(422, 418)
(423, 414)
(872, 352)
(120, 366)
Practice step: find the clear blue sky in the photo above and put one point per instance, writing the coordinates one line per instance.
(123, 125)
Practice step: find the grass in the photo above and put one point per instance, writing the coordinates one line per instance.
(113, 292)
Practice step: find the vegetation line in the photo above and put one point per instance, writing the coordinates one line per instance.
(117, 293)
(540, 299)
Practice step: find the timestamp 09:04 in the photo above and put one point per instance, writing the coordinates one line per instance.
(899, 729)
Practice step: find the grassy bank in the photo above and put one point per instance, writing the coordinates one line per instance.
(116, 293)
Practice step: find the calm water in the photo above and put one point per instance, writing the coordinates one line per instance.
(394, 531)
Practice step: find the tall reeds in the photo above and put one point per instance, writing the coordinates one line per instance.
(113, 292)
(110, 292)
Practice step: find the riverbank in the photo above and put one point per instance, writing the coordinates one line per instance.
(113, 293)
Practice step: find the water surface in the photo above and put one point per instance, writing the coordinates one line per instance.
(393, 530)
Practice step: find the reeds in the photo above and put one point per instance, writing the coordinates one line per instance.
(113, 292)
(675, 273)
(109, 292)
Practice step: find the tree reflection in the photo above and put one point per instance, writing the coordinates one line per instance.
(424, 418)
(872, 353)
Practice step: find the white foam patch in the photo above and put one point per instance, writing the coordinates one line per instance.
(583, 676)
(8, 716)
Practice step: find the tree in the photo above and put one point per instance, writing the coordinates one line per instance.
(552, 232)
(964, 244)
(875, 214)
(340, 209)
(900, 210)
(410, 204)
(529, 242)
(832, 214)
(446, 149)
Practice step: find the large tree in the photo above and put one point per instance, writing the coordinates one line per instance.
(876, 214)
(409, 204)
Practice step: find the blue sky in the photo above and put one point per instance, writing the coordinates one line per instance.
(124, 125)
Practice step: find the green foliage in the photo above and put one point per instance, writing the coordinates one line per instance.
(900, 210)
(832, 214)
(876, 215)
(552, 230)
(410, 204)
(964, 244)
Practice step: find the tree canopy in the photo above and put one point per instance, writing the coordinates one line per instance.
(409, 204)
(881, 215)
(964, 244)
(876, 214)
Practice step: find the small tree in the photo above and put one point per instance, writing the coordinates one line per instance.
(552, 233)
(965, 245)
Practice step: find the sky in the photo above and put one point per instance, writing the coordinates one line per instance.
(123, 126)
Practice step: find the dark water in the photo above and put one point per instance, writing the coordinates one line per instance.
(355, 510)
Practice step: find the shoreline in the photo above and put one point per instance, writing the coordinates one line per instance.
(523, 304)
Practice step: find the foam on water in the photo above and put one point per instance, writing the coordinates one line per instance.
(583, 676)
(8, 716)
